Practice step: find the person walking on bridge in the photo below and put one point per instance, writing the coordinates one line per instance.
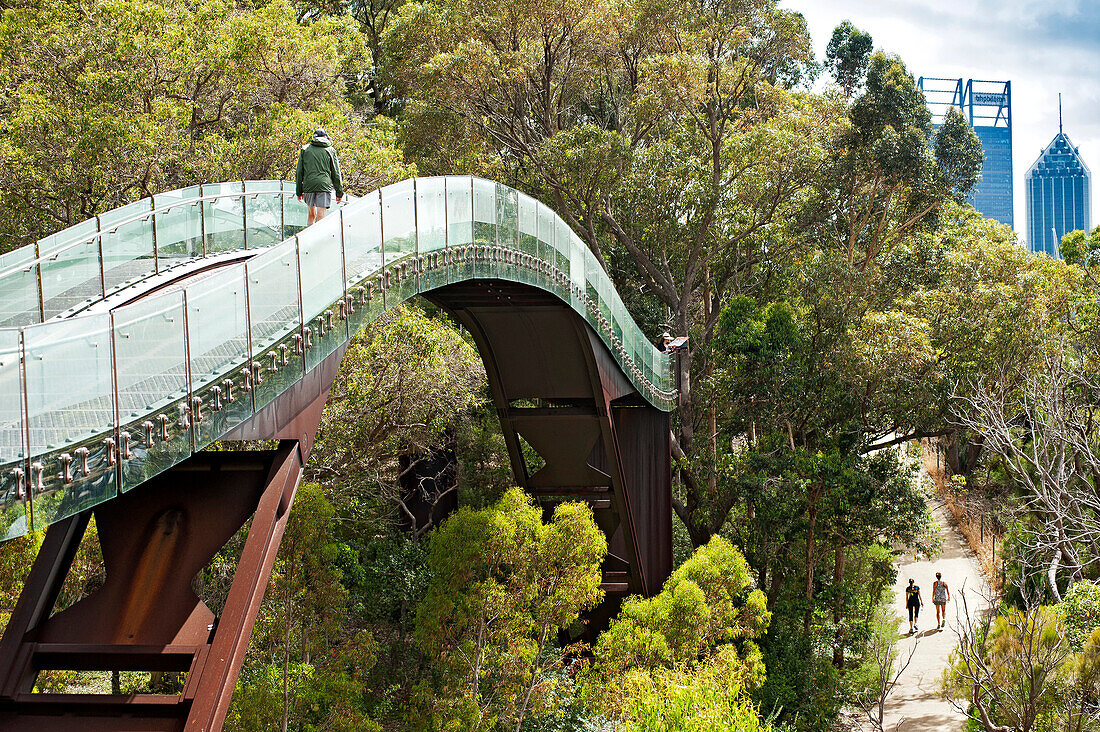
(318, 176)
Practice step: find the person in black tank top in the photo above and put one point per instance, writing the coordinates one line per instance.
(913, 603)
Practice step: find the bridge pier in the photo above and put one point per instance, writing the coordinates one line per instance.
(146, 617)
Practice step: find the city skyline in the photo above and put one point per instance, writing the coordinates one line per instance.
(1043, 47)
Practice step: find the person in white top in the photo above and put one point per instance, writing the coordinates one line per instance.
(940, 597)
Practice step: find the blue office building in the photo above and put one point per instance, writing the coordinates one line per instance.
(987, 106)
(1059, 189)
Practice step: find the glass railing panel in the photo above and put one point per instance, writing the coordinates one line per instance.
(399, 241)
(217, 336)
(485, 224)
(124, 214)
(70, 404)
(560, 256)
(547, 232)
(507, 230)
(71, 278)
(592, 294)
(431, 227)
(663, 367)
(154, 414)
(61, 239)
(618, 315)
(603, 285)
(460, 227)
(128, 246)
(275, 319)
(19, 288)
(362, 223)
(295, 212)
(527, 224)
(13, 478)
(223, 217)
(667, 371)
(577, 252)
(263, 213)
(507, 215)
(645, 363)
(527, 235)
(179, 228)
(322, 288)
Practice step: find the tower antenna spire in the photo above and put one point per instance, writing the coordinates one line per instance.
(1059, 113)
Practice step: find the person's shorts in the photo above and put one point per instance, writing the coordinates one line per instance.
(318, 200)
(941, 603)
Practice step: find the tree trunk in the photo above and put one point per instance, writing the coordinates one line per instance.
(712, 412)
(838, 606)
(286, 665)
(809, 590)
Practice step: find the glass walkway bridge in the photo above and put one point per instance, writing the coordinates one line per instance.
(132, 341)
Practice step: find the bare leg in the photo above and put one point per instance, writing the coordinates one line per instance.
(312, 215)
(321, 211)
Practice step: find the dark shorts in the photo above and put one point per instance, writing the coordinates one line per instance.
(914, 611)
(318, 200)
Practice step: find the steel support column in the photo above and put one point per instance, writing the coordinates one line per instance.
(146, 617)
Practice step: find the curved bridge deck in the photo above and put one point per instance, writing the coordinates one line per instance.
(135, 340)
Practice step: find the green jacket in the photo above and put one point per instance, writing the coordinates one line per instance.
(318, 169)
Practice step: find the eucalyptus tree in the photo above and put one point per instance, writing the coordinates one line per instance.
(104, 103)
(665, 134)
(889, 175)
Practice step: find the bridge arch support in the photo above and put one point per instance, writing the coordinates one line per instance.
(246, 347)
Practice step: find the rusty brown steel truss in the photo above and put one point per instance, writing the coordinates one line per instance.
(575, 427)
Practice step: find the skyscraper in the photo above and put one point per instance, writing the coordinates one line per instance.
(1058, 193)
(987, 106)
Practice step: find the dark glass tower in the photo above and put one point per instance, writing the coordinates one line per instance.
(987, 106)
(1059, 188)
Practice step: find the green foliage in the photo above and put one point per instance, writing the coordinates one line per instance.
(1081, 612)
(709, 697)
(325, 697)
(106, 102)
(1019, 661)
(847, 55)
(692, 645)
(1080, 247)
(959, 154)
(301, 617)
(502, 584)
(403, 384)
(802, 685)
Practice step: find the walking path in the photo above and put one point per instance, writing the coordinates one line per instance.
(916, 702)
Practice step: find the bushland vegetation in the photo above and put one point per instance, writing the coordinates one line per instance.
(799, 219)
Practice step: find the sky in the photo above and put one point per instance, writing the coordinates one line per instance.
(1042, 46)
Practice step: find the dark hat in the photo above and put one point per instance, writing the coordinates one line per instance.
(319, 132)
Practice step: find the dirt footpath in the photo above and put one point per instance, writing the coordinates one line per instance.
(916, 702)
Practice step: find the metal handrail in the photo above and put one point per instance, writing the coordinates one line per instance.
(52, 256)
(293, 334)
